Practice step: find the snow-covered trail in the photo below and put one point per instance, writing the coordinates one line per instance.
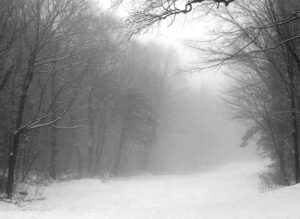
(232, 192)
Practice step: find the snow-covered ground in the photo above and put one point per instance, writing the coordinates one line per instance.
(231, 192)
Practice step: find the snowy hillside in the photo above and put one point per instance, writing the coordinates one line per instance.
(231, 192)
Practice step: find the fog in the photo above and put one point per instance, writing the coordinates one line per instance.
(149, 109)
(198, 132)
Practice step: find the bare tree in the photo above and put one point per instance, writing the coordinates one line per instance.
(44, 22)
(262, 41)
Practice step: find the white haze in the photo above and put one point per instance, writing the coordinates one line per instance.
(201, 134)
(197, 133)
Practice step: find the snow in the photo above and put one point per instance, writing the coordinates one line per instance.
(230, 192)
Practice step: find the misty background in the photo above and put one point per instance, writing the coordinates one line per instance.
(112, 89)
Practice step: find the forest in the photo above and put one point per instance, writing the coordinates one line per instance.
(82, 97)
(76, 97)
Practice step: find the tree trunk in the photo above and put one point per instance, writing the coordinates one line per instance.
(53, 155)
(11, 165)
(13, 153)
(295, 140)
(79, 158)
(76, 147)
(294, 122)
(279, 150)
(91, 116)
(53, 149)
(117, 167)
(6, 77)
(100, 147)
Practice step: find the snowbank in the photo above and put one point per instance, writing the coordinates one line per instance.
(231, 192)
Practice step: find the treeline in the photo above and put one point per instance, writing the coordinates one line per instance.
(261, 41)
(77, 98)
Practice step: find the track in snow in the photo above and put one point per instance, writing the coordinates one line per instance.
(231, 192)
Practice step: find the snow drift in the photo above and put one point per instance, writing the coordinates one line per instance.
(230, 192)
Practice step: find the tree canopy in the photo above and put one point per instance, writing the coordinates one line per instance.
(146, 13)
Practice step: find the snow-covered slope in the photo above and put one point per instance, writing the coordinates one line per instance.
(231, 192)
